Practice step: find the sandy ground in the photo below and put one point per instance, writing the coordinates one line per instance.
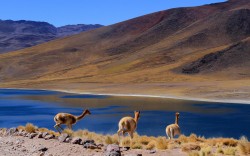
(23, 146)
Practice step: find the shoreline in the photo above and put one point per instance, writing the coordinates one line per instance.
(232, 101)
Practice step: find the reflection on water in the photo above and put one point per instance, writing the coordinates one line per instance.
(17, 107)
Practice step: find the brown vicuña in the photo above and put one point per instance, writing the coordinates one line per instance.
(68, 119)
(173, 129)
(128, 125)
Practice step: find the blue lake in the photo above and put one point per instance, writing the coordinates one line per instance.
(18, 107)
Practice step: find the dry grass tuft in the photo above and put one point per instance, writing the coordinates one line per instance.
(151, 145)
(244, 146)
(125, 141)
(220, 150)
(193, 153)
(229, 142)
(183, 139)
(21, 128)
(111, 140)
(190, 147)
(30, 128)
(68, 131)
(191, 138)
(161, 143)
(144, 140)
(137, 146)
(229, 151)
(205, 151)
(222, 141)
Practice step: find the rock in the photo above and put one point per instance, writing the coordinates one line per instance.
(19, 133)
(100, 145)
(113, 150)
(48, 154)
(42, 149)
(40, 135)
(88, 141)
(44, 134)
(63, 137)
(19, 141)
(68, 140)
(76, 140)
(113, 153)
(152, 151)
(125, 148)
(47, 137)
(11, 131)
(90, 146)
(23, 134)
(41, 154)
(32, 135)
(23, 150)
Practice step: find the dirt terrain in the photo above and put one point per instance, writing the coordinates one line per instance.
(25, 146)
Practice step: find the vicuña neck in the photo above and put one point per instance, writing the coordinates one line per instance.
(176, 120)
(136, 118)
(82, 115)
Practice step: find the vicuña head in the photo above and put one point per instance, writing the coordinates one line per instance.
(173, 129)
(68, 119)
(128, 125)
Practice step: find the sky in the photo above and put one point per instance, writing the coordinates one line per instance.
(105, 12)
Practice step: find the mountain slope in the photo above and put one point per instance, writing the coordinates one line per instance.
(16, 35)
(164, 47)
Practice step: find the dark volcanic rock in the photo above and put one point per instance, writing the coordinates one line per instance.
(76, 140)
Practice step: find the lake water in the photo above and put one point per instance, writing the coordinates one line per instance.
(18, 107)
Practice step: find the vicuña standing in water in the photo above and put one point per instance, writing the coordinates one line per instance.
(68, 119)
(128, 125)
(173, 129)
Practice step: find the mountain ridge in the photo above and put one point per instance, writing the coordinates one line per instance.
(15, 35)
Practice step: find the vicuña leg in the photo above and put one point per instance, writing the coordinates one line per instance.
(57, 126)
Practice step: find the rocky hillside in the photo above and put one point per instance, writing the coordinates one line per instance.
(75, 29)
(16, 35)
(204, 44)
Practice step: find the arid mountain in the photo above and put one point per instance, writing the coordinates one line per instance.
(68, 30)
(204, 44)
(21, 34)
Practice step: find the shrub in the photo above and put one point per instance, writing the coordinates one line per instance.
(229, 151)
(151, 145)
(30, 128)
(161, 143)
(205, 151)
(244, 146)
(68, 131)
(136, 146)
